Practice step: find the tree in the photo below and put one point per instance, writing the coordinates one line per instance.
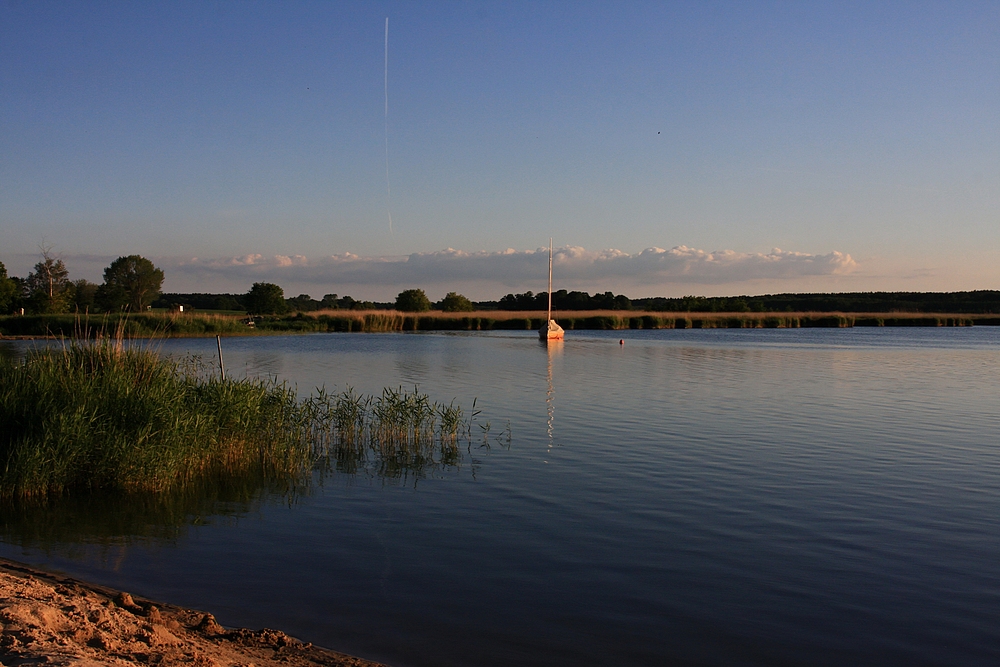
(84, 294)
(455, 303)
(333, 302)
(413, 301)
(8, 290)
(265, 299)
(226, 302)
(130, 283)
(526, 301)
(48, 287)
(303, 303)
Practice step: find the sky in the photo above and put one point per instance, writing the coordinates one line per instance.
(667, 148)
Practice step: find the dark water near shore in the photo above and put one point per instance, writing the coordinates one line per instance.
(719, 497)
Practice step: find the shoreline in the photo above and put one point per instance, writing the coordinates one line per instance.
(59, 620)
(208, 325)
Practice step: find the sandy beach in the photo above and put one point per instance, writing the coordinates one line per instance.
(47, 618)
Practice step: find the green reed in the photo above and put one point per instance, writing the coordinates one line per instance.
(109, 416)
(391, 435)
(106, 416)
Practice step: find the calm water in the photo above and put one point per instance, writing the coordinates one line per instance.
(821, 497)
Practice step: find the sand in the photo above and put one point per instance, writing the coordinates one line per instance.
(51, 619)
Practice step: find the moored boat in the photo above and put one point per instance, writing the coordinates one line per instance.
(551, 329)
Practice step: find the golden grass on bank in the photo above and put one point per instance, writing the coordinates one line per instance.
(375, 321)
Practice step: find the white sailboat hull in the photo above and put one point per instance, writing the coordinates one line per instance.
(551, 331)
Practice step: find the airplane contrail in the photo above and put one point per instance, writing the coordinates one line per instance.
(387, 195)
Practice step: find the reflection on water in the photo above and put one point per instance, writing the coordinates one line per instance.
(9, 351)
(263, 363)
(553, 348)
(397, 438)
(410, 368)
(64, 524)
(797, 497)
(395, 461)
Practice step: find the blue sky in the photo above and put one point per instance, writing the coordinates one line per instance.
(668, 148)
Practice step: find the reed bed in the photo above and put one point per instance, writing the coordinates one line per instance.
(103, 416)
(143, 325)
(108, 416)
(395, 321)
(397, 433)
(619, 320)
(175, 325)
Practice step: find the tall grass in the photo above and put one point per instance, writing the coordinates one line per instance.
(109, 416)
(392, 435)
(105, 416)
(187, 324)
(139, 325)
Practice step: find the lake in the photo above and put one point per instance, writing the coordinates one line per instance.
(703, 497)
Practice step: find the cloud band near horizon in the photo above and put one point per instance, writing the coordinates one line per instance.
(483, 271)
(516, 269)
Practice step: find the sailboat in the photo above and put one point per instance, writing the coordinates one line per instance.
(550, 330)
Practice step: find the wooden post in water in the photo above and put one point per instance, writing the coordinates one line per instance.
(222, 366)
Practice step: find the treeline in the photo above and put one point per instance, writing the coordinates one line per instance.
(979, 301)
(241, 302)
(562, 300)
(131, 283)
(269, 299)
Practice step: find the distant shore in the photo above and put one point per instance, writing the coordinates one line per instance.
(180, 325)
(51, 618)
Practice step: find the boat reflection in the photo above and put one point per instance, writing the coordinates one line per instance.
(553, 349)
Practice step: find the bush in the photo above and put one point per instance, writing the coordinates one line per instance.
(455, 303)
(413, 301)
(266, 299)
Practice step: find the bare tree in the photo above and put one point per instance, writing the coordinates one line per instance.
(48, 286)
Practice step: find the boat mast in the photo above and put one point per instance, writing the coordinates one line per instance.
(550, 283)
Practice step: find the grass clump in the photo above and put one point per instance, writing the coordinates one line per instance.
(391, 436)
(104, 416)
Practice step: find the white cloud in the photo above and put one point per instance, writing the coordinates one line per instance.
(518, 269)
(489, 275)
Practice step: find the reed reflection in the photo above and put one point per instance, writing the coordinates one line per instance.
(64, 524)
(398, 437)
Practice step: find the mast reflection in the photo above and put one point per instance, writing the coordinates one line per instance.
(553, 348)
